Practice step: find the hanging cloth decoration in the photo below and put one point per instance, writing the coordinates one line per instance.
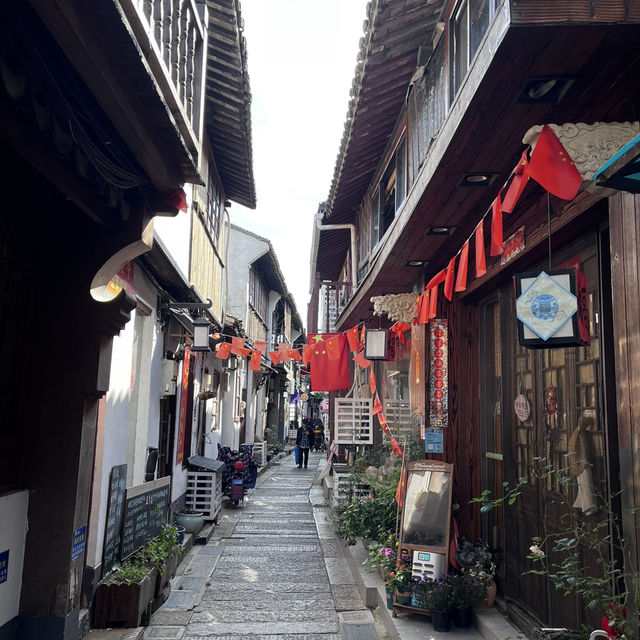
(423, 308)
(383, 423)
(399, 328)
(261, 345)
(400, 488)
(333, 348)
(360, 360)
(372, 381)
(432, 288)
(254, 363)
(307, 352)
(294, 354)
(395, 448)
(352, 337)
(223, 350)
(461, 280)
(552, 167)
(481, 263)
(496, 228)
(275, 356)
(519, 182)
(377, 405)
(329, 375)
(449, 278)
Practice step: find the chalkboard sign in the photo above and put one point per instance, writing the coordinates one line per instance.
(115, 513)
(145, 512)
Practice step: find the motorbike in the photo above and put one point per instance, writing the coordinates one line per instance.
(236, 490)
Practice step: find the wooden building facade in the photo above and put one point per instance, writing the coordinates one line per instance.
(453, 102)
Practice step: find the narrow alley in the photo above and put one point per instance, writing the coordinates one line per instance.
(272, 569)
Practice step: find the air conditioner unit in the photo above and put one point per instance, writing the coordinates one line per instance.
(169, 377)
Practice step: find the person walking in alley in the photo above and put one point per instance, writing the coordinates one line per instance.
(304, 441)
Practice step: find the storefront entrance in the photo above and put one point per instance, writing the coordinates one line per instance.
(538, 405)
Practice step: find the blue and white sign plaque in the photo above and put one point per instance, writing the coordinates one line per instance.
(79, 542)
(4, 566)
(433, 441)
(546, 306)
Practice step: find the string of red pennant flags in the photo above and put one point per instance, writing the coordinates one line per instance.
(550, 165)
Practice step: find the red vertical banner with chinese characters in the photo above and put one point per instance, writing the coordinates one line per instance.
(184, 390)
(439, 375)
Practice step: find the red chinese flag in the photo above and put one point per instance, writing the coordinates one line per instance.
(223, 350)
(372, 381)
(283, 356)
(237, 342)
(275, 356)
(377, 405)
(352, 337)
(240, 351)
(449, 278)
(496, 228)
(400, 488)
(363, 332)
(294, 354)
(552, 167)
(254, 364)
(261, 345)
(333, 348)
(432, 288)
(423, 315)
(461, 280)
(395, 448)
(329, 375)
(481, 263)
(177, 199)
(307, 351)
(519, 182)
(284, 347)
(383, 423)
(361, 360)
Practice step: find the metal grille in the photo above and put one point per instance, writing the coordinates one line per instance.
(353, 421)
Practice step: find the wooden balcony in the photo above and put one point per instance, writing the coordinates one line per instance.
(173, 36)
(144, 62)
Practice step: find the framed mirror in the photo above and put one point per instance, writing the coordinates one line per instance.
(426, 516)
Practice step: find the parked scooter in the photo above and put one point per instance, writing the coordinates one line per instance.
(236, 490)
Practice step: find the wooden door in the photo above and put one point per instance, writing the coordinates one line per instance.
(566, 397)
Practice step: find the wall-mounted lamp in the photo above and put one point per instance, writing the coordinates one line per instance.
(375, 344)
(201, 329)
(232, 363)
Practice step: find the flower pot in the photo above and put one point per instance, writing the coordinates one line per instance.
(441, 620)
(403, 598)
(491, 595)
(463, 618)
(192, 522)
(389, 594)
(124, 605)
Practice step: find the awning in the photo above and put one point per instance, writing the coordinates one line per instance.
(622, 170)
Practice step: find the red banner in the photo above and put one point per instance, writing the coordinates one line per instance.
(184, 390)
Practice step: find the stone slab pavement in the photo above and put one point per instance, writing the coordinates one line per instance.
(273, 570)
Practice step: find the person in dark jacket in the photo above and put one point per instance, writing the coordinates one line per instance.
(304, 441)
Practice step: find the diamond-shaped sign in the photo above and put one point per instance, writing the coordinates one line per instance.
(546, 306)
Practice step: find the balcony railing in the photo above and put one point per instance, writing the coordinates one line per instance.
(173, 36)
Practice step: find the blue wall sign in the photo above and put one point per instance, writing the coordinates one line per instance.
(79, 541)
(4, 565)
(433, 441)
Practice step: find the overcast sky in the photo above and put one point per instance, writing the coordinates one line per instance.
(301, 60)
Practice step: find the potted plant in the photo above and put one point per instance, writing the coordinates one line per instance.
(468, 590)
(123, 598)
(476, 560)
(436, 596)
(191, 520)
(400, 579)
(162, 552)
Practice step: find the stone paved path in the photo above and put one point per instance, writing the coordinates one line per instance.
(273, 570)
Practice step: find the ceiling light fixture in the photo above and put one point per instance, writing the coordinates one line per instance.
(477, 179)
(440, 231)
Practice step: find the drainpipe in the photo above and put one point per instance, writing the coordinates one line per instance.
(314, 249)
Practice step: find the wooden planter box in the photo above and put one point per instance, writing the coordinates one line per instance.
(162, 580)
(124, 605)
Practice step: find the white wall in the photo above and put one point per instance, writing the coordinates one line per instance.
(13, 516)
(175, 234)
(132, 404)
